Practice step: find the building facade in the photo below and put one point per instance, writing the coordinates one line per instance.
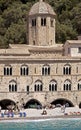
(41, 72)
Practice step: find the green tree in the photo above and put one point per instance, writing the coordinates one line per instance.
(76, 12)
(64, 32)
(13, 20)
(16, 34)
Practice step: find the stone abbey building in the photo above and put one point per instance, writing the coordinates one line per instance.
(41, 72)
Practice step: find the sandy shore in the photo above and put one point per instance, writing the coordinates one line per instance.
(35, 114)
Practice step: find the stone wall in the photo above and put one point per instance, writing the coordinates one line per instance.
(35, 73)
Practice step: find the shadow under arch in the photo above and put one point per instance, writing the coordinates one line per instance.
(62, 101)
(5, 103)
(80, 105)
(33, 103)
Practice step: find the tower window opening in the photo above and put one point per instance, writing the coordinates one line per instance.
(33, 22)
(43, 21)
(33, 42)
(52, 23)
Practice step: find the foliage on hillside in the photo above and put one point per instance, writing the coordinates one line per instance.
(13, 18)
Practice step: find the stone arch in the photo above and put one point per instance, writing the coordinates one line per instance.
(6, 102)
(53, 80)
(62, 101)
(12, 81)
(67, 64)
(67, 80)
(33, 103)
(38, 80)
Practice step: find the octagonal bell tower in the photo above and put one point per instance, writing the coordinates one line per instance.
(41, 25)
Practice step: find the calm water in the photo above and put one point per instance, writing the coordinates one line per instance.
(58, 124)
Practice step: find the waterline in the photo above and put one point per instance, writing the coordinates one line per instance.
(47, 124)
(37, 120)
(54, 124)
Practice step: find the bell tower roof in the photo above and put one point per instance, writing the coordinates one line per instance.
(41, 7)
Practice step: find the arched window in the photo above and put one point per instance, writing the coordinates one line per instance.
(46, 70)
(67, 70)
(53, 86)
(12, 86)
(79, 85)
(8, 70)
(38, 86)
(24, 70)
(67, 85)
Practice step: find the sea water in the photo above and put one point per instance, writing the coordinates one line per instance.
(54, 124)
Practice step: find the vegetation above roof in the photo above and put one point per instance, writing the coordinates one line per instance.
(13, 20)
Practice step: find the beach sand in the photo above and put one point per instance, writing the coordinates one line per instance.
(36, 114)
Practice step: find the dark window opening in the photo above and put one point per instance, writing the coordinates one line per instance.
(79, 86)
(24, 71)
(52, 23)
(67, 87)
(33, 42)
(27, 88)
(46, 70)
(33, 22)
(13, 87)
(9, 88)
(43, 21)
(67, 70)
(38, 87)
(49, 87)
(7, 71)
(53, 87)
(35, 88)
(79, 49)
